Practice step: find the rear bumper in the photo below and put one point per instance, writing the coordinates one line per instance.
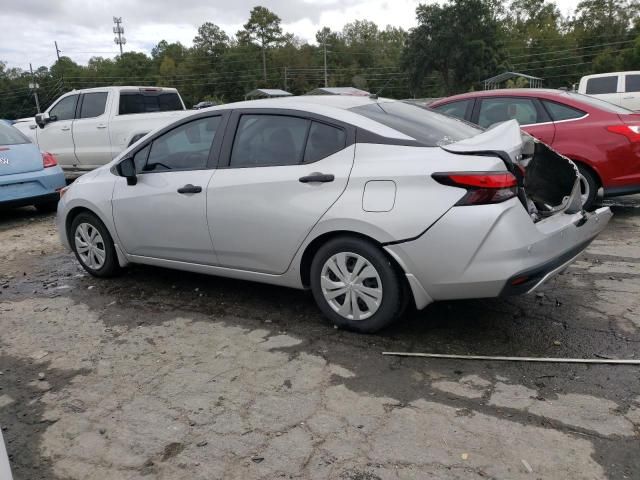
(31, 188)
(475, 252)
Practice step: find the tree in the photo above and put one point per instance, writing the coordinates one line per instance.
(460, 40)
(211, 40)
(263, 29)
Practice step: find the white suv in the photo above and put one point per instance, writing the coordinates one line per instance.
(621, 88)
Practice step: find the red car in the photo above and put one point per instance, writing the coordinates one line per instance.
(601, 138)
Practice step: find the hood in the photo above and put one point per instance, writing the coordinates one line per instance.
(548, 181)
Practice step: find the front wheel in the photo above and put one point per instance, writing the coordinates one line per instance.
(355, 285)
(93, 245)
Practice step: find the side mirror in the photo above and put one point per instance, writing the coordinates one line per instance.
(127, 169)
(43, 118)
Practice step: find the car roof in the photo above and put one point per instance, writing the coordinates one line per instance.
(332, 106)
(511, 92)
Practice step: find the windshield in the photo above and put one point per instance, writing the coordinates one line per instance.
(598, 103)
(426, 126)
(11, 136)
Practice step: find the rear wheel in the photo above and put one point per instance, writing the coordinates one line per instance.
(356, 286)
(93, 245)
(588, 188)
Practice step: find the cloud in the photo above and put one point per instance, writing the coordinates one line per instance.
(83, 28)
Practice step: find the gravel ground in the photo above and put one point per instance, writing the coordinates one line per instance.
(168, 375)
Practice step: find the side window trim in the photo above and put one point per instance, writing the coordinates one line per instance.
(234, 119)
(214, 151)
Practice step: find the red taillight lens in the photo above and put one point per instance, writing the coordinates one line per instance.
(48, 160)
(482, 187)
(632, 132)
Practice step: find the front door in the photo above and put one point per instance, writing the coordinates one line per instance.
(164, 214)
(282, 173)
(91, 131)
(57, 137)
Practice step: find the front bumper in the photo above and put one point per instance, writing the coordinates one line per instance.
(479, 251)
(31, 188)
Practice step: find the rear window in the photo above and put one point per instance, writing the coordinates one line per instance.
(600, 85)
(11, 136)
(148, 102)
(598, 103)
(426, 126)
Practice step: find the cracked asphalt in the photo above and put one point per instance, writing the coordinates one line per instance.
(169, 375)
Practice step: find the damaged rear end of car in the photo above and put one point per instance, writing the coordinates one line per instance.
(516, 228)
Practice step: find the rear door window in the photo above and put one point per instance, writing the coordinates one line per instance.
(65, 109)
(632, 83)
(455, 109)
(269, 140)
(138, 102)
(561, 112)
(602, 85)
(93, 104)
(497, 110)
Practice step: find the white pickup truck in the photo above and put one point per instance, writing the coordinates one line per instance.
(88, 128)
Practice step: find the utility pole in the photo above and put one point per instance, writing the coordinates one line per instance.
(119, 30)
(285, 78)
(324, 44)
(58, 51)
(34, 86)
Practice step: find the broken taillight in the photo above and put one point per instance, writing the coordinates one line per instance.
(482, 187)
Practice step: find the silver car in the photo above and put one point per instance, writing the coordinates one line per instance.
(373, 204)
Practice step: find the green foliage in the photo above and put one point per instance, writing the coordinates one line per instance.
(455, 46)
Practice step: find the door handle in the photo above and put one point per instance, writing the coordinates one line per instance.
(628, 98)
(102, 125)
(65, 129)
(188, 188)
(317, 177)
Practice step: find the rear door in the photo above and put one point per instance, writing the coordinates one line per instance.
(91, 130)
(281, 172)
(57, 137)
(631, 95)
(528, 111)
(607, 88)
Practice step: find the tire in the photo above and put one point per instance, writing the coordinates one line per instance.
(48, 207)
(588, 188)
(87, 226)
(385, 297)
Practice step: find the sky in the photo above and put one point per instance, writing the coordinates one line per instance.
(83, 28)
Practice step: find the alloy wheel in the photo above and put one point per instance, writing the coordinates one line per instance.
(351, 286)
(585, 189)
(90, 246)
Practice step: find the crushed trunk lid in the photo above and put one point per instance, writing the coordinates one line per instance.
(548, 181)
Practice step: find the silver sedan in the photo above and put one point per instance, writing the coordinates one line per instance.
(373, 204)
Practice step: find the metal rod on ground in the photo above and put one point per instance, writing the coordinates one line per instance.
(516, 359)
